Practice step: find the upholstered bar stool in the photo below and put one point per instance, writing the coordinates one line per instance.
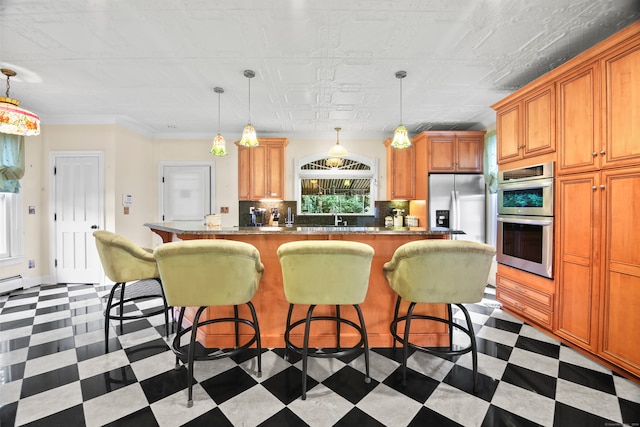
(125, 262)
(210, 273)
(325, 272)
(438, 272)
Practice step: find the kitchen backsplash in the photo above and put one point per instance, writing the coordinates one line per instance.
(382, 208)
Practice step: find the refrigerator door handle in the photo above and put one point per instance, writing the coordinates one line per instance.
(455, 206)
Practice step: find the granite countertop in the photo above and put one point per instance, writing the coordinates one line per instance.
(198, 227)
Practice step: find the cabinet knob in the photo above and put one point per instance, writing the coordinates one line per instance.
(602, 152)
(594, 154)
(602, 186)
(594, 188)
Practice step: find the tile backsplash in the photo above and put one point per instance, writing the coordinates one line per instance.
(382, 209)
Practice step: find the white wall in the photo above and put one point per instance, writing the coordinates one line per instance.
(131, 167)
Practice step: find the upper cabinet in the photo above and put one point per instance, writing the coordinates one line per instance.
(401, 172)
(526, 125)
(261, 170)
(460, 152)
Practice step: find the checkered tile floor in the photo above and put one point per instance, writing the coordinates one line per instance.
(54, 371)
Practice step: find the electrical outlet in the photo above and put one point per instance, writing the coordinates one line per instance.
(32, 263)
(224, 210)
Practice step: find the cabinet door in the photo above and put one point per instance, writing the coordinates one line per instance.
(578, 198)
(470, 154)
(578, 127)
(259, 167)
(401, 173)
(621, 95)
(508, 134)
(442, 154)
(539, 123)
(275, 171)
(244, 173)
(620, 299)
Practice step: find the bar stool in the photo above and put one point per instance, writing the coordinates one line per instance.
(325, 272)
(438, 272)
(210, 273)
(124, 262)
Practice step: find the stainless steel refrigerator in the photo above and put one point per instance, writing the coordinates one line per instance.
(457, 201)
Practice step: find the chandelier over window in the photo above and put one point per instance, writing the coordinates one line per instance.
(219, 149)
(337, 152)
(249, 137)
(400, 135)
(13, 119)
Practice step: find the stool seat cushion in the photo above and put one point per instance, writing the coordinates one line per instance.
(214, 272)
(325, 271)
(440, 271)
(122, 260)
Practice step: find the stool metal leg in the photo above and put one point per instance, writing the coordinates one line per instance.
(450, 314)
(286, 333)
(474, 348)
(405, 349)
(367, 377)
(305, 351)
(337, 327)
(235, 323)
(394, 323)
(191, 355)
(179, 328)
(257, 331)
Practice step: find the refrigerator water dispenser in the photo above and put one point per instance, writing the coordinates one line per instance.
(442, 218)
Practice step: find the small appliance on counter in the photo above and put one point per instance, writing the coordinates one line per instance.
(398, 217)
(258, 217)
(213, 221)
(412, 221)
(275, 217)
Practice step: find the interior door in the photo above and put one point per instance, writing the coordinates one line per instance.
(78, 211)
(186, 192)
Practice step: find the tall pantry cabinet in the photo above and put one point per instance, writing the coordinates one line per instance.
(596, 126)
(598, 180)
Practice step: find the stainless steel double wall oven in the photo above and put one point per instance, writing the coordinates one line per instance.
(525, 218)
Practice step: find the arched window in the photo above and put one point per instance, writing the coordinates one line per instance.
(336, 186)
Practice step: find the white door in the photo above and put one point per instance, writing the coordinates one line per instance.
(186, 192)
(78, 212)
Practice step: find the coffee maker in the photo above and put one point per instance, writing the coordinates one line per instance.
(259, 217)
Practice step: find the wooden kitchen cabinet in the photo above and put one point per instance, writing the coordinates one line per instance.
(620, 290)
(261, 170)
(460, 152)
(578, 130)
(620, 71)
(526, 295)
(578, 231)
(525, 126)
(598, 295)
(401, 172)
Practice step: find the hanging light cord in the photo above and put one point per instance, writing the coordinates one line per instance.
(8, 86)
(218, 112)
(249, 99)
(400, 101)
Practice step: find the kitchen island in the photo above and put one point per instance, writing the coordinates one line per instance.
(270, 302)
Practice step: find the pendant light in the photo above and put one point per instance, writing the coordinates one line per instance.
(13, 119)
(219, 149)
(400, 135)
(249, 138)
(336, 152)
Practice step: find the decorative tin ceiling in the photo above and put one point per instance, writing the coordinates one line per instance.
(151, 65)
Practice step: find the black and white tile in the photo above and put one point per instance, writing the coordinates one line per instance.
(54, 371)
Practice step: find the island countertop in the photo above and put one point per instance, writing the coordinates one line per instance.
(199, 228)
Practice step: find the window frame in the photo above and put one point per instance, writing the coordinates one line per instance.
(336, 173)
(12, 227)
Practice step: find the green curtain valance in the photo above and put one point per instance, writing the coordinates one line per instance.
(11, 162)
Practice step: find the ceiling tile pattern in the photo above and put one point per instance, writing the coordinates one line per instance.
(151, 65)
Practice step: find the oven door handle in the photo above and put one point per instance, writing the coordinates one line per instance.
(510, 186)
(532, 220)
